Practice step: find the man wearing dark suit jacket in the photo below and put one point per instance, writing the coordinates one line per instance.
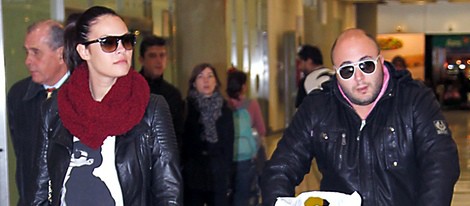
(43, 45)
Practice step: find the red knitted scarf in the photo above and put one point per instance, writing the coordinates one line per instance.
(92, 122)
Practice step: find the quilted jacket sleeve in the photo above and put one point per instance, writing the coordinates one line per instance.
(436, 152)
(291, 159)
(166, 176)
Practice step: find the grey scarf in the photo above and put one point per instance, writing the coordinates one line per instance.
(210, 109)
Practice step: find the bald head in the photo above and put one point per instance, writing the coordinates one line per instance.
(54, 34)
(356, 38)
(350, 51)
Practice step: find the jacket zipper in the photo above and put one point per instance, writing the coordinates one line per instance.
(363, 123)
(343, 144)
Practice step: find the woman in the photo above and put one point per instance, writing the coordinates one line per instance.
(207, 141)
(245, 182)
(107, 140)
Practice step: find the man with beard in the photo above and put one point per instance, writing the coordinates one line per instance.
(372, 130)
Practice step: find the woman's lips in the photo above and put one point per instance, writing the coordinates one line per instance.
(123, 61)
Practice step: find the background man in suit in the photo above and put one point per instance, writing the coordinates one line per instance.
(43, 45)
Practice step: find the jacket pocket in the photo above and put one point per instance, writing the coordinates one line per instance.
(391, 147)
(330, 146)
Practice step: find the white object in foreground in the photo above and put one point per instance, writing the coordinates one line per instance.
(334, 198)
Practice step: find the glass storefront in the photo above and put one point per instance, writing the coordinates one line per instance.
(449, 60)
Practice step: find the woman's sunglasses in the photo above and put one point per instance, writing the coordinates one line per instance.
(367, 66)
(110, 43)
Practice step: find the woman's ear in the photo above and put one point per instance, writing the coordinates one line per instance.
(83, 52)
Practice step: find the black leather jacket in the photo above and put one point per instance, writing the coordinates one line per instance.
(174, 99)
(147, 160)
(402, 154)
(24, 103)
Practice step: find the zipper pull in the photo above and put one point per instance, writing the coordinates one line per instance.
(343, 139)
(363, 123)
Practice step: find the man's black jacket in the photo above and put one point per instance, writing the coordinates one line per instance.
(24, 103)
(401, 154)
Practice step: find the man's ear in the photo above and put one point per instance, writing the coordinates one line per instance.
(83, 52)
(141, 59)
(60, 54)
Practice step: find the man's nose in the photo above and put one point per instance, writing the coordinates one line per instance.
(28, 60)
(358, 74)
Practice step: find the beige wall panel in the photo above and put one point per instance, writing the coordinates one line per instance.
(281, 19)
(200, 37)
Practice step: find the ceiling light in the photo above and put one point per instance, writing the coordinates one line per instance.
(364, 1)
(420, 2)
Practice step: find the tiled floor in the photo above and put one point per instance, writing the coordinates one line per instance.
(459, 122)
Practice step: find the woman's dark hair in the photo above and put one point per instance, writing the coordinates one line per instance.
(76, 32)
(197, 70)
(235, 81)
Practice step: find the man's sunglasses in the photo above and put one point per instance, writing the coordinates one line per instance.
(110, 43)
(367, 66)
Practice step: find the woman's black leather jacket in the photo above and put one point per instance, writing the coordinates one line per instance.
(147, 160)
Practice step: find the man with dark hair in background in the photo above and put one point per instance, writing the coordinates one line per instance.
(399, 63)
(310, 61)
(43, 44)
(153, 57)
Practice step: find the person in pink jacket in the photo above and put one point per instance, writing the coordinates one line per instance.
(247, 113)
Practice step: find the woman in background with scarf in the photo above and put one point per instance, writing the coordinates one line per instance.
(107, 140)
(207, 141)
